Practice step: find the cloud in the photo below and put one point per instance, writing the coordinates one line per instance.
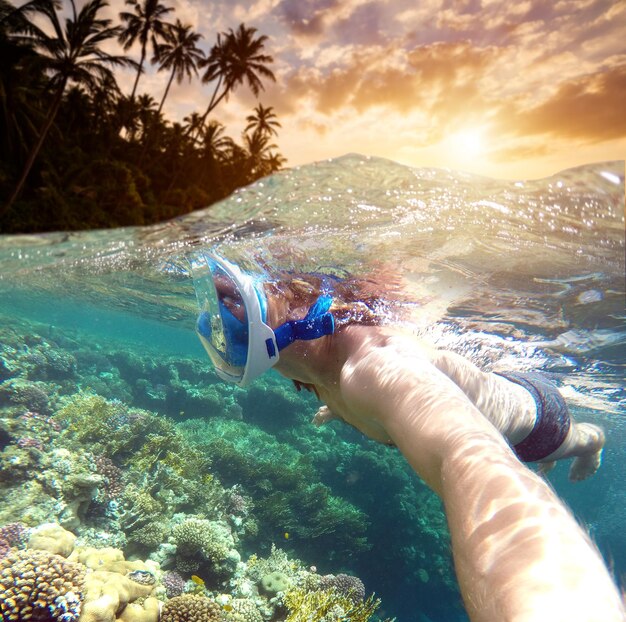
(427, 76)
(588, 108)
(307, 18)
(314, 18)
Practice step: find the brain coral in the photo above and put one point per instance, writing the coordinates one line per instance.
(38, 585)
(275, 582)
(190, 608)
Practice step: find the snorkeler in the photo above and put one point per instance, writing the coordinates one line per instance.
(519, 553)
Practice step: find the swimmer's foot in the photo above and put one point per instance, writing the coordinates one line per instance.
(585, 466)
(545, 467)
(324, 415)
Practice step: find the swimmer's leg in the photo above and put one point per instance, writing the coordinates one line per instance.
(585, 445)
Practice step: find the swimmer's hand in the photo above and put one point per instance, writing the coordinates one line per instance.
(324, 415)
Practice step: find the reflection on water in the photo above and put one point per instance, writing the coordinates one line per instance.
(527, 274)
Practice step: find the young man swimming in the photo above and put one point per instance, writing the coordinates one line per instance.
(519, 553)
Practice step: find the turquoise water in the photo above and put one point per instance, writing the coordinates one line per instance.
(524, 275)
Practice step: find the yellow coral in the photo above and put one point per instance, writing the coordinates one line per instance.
(107, 593)
(147, 612)
(109, 559)
(329, 604)
(53, 538)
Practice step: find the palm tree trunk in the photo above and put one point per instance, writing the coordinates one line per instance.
(34, 152)
(139, 70)
(212, 103)
(167, 88)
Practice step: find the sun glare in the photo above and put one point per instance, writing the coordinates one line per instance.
(469, 142)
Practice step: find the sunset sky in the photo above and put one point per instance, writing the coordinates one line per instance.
(504, 89)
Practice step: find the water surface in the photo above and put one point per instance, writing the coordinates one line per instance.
(512, 274)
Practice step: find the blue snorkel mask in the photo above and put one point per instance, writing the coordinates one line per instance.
(232, 324)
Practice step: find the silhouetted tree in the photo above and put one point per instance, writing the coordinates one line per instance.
(263, 120)
(259, 150)
(20, 114)
(194, 124)
(236, 58)
(146, 112)
(144, 25)
(71, 54)
(61, 115)
(180, 54)
(215, 145)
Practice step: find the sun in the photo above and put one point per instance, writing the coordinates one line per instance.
(468, 142)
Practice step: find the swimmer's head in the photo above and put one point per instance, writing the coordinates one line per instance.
(233, 322)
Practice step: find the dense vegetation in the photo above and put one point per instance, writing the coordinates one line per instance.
(77, 153)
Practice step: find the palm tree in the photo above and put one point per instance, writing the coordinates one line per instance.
(193, 124)
(215, 145)
(236, 58)
(20, 77)
(73, 54)
(179, 53)
(263, 120)
(261, 160)
(274, 162)
(144, 25)
(146, 112)
(258, 150)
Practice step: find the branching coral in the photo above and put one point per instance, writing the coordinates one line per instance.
(327, 605)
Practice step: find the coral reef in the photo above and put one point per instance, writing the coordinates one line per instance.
(204, 546)
(151, 454)
(327, 605)
(277, 561)
(287, 494)
(110, 588)
(274, 582)
(20, 392)
(14, 534)
(191, 608)
(39, 585)
(243, 610)
(173, 583)
(53, 538)
(346, 585)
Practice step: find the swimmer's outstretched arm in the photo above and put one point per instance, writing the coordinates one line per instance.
(519, 553)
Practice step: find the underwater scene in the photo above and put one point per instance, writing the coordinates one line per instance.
(137, 486)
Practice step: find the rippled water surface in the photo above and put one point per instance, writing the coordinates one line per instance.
(526, 274)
